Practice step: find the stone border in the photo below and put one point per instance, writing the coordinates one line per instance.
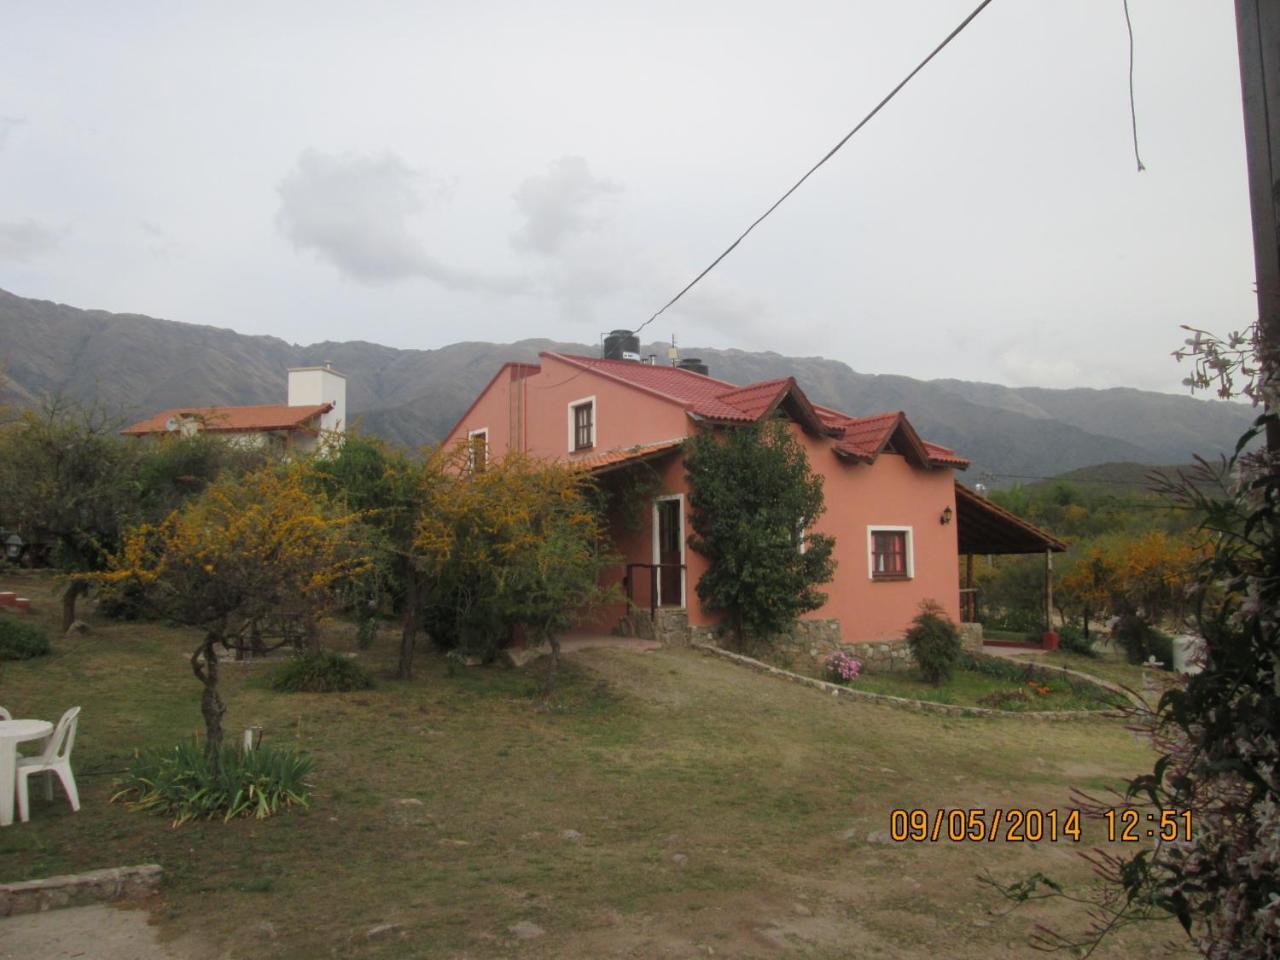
(903, 703)
(79, 889)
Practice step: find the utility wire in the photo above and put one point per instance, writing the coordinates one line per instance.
(1133, 110)
(830, 153)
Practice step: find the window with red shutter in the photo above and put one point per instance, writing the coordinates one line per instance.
(889, 555)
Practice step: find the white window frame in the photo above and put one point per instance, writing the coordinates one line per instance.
(471, 447)
(871, 550)
(657, 551)
(595, 422)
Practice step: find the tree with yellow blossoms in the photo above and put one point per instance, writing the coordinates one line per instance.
(514, 544)
(248, 548)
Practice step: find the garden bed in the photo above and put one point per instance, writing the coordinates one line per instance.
(996, 684)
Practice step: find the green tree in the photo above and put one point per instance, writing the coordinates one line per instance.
(171, 469)
(390, 491)
(754, 500)
(66, 479)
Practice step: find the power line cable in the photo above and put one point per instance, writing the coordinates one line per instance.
(830, 153)
(1133, 110)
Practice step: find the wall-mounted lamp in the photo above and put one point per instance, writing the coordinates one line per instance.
(946, 516)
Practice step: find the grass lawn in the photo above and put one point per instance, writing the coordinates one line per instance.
(717, 812)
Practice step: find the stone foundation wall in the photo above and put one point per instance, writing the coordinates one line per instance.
(971, 637)
(75, 890)
(808, 645)
(669, 626)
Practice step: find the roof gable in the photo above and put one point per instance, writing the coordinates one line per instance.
(865, 438)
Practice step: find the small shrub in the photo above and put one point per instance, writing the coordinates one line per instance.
(21, 641)
(842, 667)
(366, 632)
(1141, 641)
(181, 782)
(1073, 640)
(321, 672)
(123, 601)
(935, 643)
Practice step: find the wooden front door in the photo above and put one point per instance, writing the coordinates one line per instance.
(670, 554)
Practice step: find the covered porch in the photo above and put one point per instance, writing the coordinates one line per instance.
(985, 529)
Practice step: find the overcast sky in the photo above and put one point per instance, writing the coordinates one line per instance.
(418, 173)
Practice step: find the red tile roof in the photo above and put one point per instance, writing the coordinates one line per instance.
(863, 438)
(860, 438)
(611, 459)
(746, 403)
(673, 383)
(267, 416)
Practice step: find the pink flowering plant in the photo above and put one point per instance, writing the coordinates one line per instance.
(841, 667)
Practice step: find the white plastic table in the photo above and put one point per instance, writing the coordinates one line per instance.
(12, 733)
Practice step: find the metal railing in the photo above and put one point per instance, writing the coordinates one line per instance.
(970, 609)
(629, 582)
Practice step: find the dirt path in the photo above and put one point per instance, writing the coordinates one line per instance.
(97, 932)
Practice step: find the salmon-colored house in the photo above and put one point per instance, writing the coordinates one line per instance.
(891, 496)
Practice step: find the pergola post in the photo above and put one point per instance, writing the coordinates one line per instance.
(971, 598)
(1048, 590)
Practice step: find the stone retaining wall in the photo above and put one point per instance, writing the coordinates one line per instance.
(919, 706)
(79, 889)
(806, 646)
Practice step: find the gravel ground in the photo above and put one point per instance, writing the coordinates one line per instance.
(85, 933)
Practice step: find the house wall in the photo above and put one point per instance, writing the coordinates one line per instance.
(533, 411)
(309, 386)
(890, 492)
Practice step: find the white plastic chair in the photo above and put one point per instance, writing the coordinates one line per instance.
(5, 714)
(54, 760)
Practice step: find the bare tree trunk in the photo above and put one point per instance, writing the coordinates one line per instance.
(211, 705)
(69, 596)
(313, 633)
(409, 631)
(255, 639)
(553, 668)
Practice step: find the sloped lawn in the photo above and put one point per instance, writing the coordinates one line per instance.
(667, 805)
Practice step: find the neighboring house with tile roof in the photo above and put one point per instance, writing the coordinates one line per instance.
(891, 496)
(316, 404)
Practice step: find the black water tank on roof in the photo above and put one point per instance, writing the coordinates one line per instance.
(622, 345)
(694, 365)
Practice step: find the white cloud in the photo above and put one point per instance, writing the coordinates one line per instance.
(560, 205)
(25, 239)
(355, 212)
(7, 126)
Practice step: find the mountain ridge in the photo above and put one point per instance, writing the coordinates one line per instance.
(133, 365)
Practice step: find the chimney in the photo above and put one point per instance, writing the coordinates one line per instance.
(309, 386)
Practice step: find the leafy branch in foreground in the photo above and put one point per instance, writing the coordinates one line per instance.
(1217, 732)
